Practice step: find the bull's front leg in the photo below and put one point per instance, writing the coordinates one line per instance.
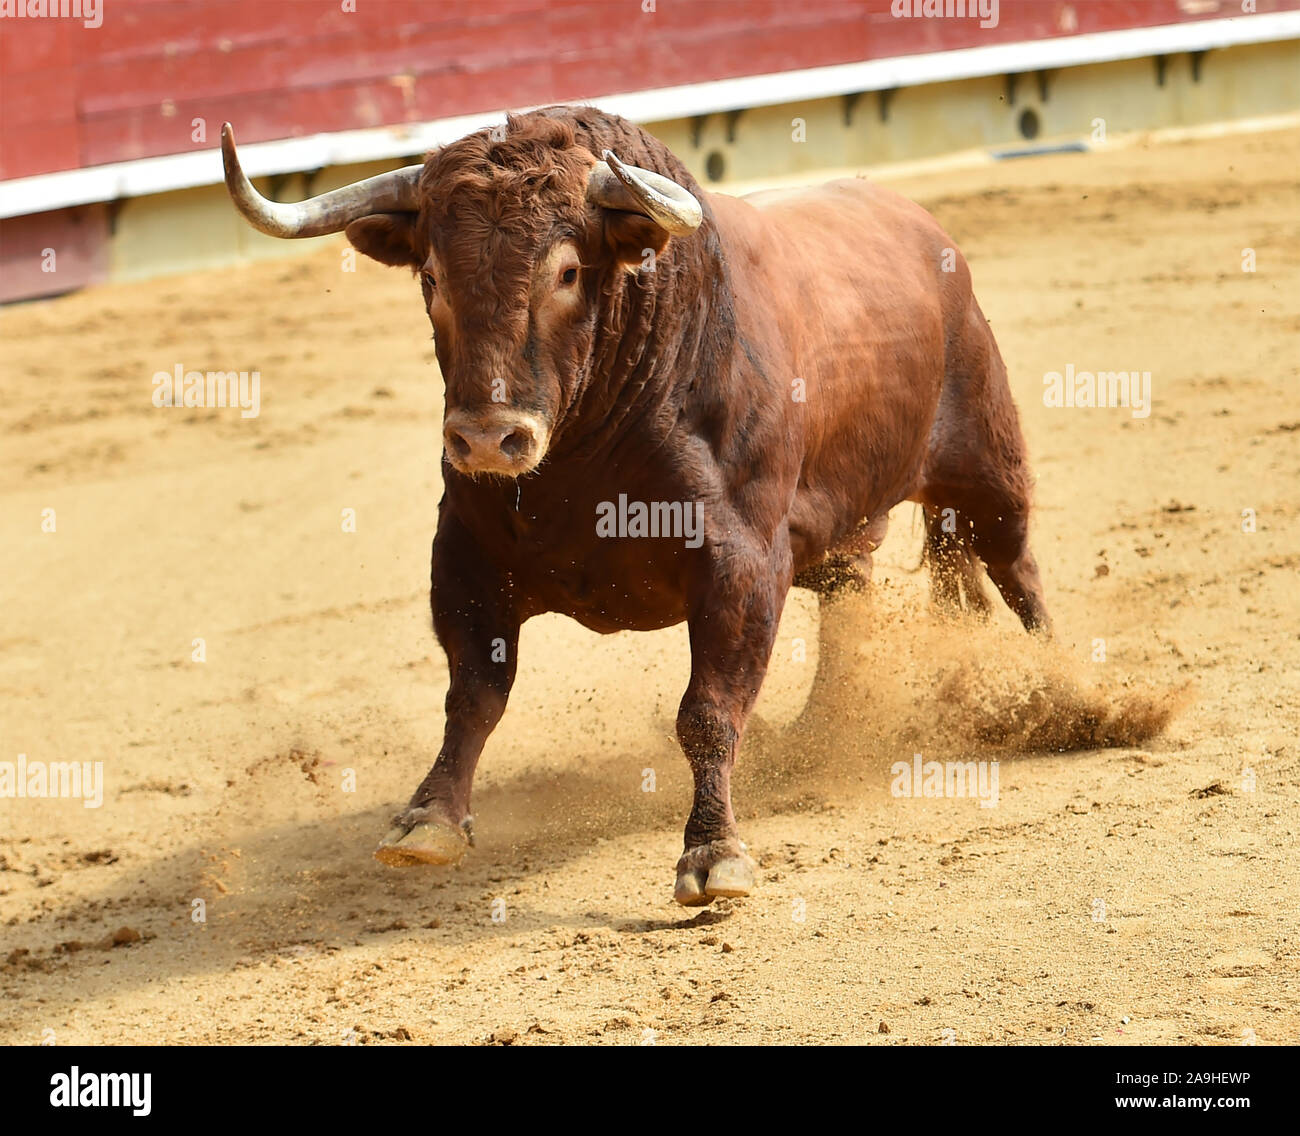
(477, 625)
(733, 625)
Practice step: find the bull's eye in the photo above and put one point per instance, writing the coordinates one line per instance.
(569, 276)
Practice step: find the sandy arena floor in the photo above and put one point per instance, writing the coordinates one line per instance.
(1141, 892)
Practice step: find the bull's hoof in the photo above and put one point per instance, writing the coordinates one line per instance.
(713, 871)
(689, 891)
(428, 841)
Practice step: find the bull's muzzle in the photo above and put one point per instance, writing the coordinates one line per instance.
(503, 442)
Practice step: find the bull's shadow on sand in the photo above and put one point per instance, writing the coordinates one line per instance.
(312, 886)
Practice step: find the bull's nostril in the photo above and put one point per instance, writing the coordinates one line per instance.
(459, 447)
(515, 444)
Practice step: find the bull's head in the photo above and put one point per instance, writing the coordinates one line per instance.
(516, 238)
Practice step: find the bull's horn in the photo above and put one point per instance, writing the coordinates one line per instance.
(634, 190)
(394, 192)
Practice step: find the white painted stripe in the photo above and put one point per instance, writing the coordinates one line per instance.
(183, 171)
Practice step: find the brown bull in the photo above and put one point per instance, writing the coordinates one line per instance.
(665, 405)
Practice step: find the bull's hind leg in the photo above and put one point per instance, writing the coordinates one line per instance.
(977, 468)
(846, 568)
(955, 571)
(846, 571)
(994, 526)
(1015, 574)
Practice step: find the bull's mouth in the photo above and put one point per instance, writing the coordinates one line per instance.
(508, 470)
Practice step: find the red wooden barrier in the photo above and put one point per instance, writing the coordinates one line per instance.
(76, 238)
(74, 96)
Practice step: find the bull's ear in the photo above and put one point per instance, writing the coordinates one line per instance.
(633, 239)
(386, 237)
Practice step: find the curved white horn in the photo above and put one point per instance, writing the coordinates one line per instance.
(393, 192)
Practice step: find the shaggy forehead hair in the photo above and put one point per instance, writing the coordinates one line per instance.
(490, 202)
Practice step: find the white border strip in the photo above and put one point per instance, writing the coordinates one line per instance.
(45, 192)
(915, 169)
